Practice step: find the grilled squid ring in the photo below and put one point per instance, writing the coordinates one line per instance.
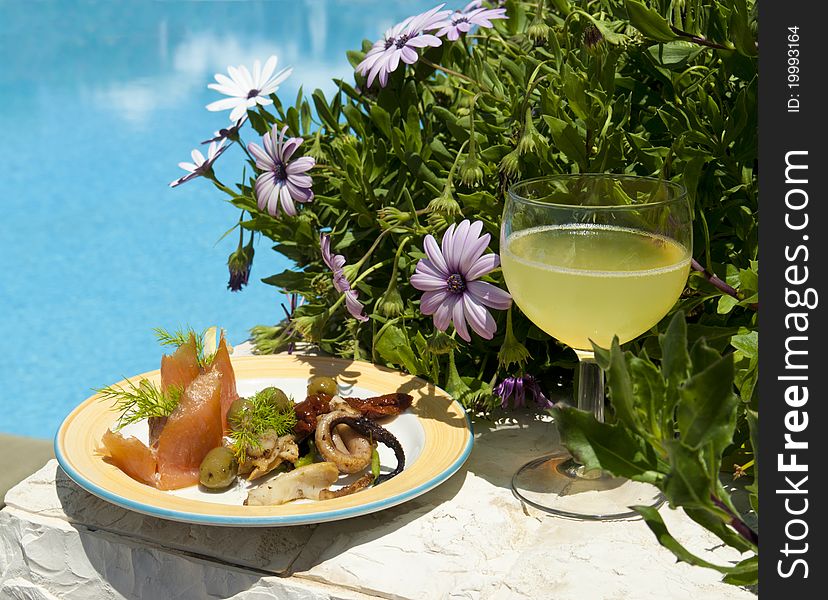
(342, 446)
(377, 433)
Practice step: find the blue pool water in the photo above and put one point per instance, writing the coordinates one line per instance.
(99, 102)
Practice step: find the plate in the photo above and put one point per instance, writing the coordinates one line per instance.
(435, 433)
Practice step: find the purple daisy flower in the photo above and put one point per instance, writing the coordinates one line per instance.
(400, 43)
(449, 278)
(283, 181)
(462, 22)
(335, 263)
(227, 132)
(516, 389)
(200, 165)
(247, 89)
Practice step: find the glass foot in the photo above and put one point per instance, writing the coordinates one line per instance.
(558, 485)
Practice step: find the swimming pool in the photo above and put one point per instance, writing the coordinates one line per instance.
(99, 103)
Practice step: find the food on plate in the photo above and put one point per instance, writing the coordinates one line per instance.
(221, 364)
(192, 430)
(272, 452)
(218, 469)
(341, 445)
(319, 384)
(132, 456)
(181, 367)
(377, 407)
(308, 411)
(304, 482)
(375, 431)
(201, 432)
(360, 484)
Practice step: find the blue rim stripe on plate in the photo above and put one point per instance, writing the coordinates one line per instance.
(274, 520)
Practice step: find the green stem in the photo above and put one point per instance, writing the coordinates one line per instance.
(370, 270)
(395, 269)
(454, 73)
(246, 151)
(212, 177)
(373, 247)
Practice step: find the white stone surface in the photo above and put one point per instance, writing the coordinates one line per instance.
(469, 538)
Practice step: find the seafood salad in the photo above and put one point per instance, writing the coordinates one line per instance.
(201, 432)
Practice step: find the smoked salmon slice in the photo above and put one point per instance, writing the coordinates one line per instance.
(180, 367)
(131, 456)
(192, 430)
(221, 363)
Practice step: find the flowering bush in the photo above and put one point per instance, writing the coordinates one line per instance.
(388, 196)
(446, 109)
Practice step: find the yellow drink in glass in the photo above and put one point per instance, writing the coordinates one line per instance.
(591, 282)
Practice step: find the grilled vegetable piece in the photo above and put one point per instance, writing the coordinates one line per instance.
(304, 482)
(377, 407)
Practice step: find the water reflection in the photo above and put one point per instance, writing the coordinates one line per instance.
(101, 100)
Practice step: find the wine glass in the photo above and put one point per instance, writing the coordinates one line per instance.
(586, 258)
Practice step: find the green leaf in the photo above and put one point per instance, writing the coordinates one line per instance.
(675, 53)
(650, 392)
(292, 121)
(609, 447)
(746, 343)
(657, 526)
(354, 118)
(675, 361)
(567, 139)
(323, 110)
(649, 22)
(392, 345)
(706, 411)
(290, 280)
(713, 522)
(381, 119)
(621, 388)
(726, 304)
(745, 573)
(689, 483)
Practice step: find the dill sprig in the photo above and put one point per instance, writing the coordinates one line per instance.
(181, 336)
(142, 401)
(258, 416)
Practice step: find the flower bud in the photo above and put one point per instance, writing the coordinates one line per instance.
(510, 165)
(239, 264)
(593, 39)
(390, 217)
(350, 272)
(531, 139)
(445, 204)
(391, 304)
(471, 173)
(511, 351)
(315, 151)
(538, 31)
(309, 326)
(440, 343)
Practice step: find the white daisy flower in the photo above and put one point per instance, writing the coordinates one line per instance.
(246, 89)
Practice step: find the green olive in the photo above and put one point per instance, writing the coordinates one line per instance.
(235, 414)
(320, 384)
(218, 469)
(277, 398)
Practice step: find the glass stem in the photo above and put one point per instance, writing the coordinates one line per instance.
(590, 386)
